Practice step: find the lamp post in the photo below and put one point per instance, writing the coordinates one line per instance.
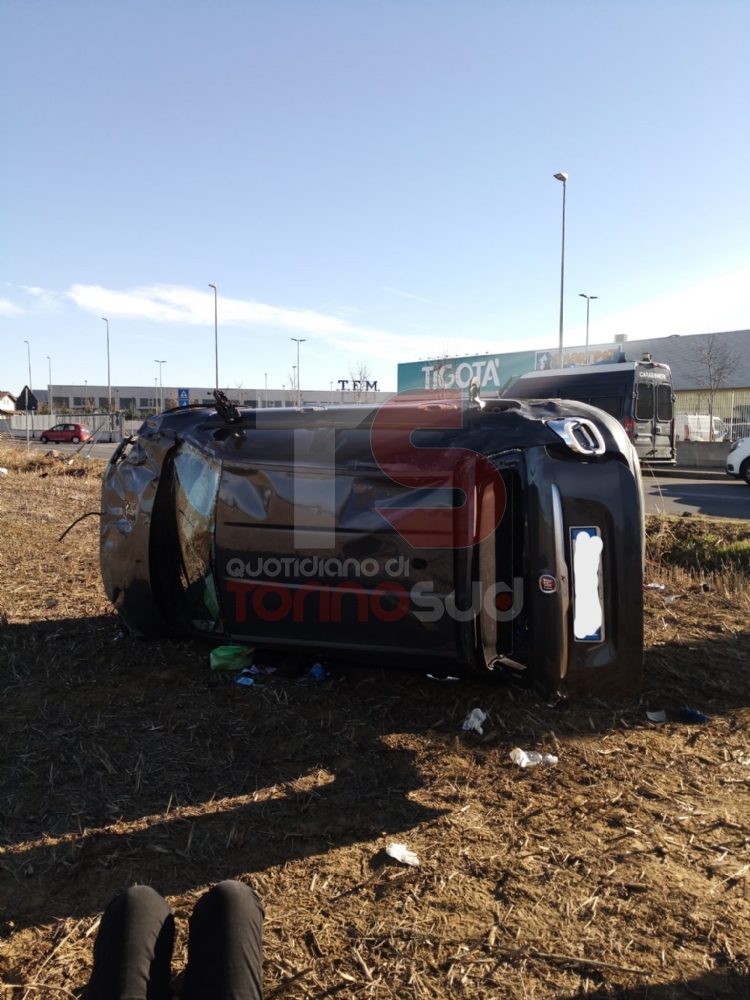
(49, 388)
(85, 395)
(564, 179)
(265, 377)
(294, 383)
(28, 395)
(216, 329)
(161, 388)
(588, 303)
(109, 377)
(298, 342)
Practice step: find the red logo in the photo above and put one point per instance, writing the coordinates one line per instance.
(547, 584)
(424, 467)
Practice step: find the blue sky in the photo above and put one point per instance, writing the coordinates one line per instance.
(375, 177)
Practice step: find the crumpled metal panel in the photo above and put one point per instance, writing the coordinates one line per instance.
(129, 489)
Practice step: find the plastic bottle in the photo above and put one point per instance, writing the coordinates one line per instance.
(532, 758)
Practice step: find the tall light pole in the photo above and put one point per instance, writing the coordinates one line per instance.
(161, 388)
(49, 401)
(85, 395)
(265, 377)
(564, 179)
(216, 329)
(109, 377)
(588, 303)
(28, 395)
(298, 342)
(28, 348)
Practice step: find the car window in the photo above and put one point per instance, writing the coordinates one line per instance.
(664, 402)
(610, 404)
(196, 484)
(57, 427)
(644, 402)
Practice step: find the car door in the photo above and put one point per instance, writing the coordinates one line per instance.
(663, 419)
(54, 434)
(643, 418)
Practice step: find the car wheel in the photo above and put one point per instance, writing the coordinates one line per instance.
(44, 439)
(745, 471)
(75, 439)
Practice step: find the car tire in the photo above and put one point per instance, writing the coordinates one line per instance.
(75, 439)
(745, 471)
(44, 439)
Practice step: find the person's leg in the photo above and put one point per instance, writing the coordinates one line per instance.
(225, 945)
(133, 948)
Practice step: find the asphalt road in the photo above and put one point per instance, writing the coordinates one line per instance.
(103, 450)
(718, 497)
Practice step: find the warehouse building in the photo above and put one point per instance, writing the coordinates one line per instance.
(703, 365)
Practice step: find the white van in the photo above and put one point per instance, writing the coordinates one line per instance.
(696, 427)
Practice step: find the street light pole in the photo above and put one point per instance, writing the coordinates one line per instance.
(216, 329)
(588, 303)
(28, 395)
(28, 348)
(161, 387)
(265, 376)
(109, 377)
(564, 179)
(299, 395)
(49, 388)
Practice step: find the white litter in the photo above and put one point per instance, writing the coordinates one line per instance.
(474, 721)
(532, 758)
(432, 677)
(660, 716)
(3, 472)
(400, 852)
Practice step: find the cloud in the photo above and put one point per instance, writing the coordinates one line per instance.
(43, 299)
(177, 304)
(712, 306)
(409, 295)
(8, 308)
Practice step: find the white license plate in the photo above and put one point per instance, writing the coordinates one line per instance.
(588, 608)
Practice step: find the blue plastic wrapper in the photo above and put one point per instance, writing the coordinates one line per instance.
(692, 715)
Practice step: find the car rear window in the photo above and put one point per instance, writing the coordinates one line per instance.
(664, 410)
(644, 402)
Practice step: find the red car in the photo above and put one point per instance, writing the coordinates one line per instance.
(67, 432)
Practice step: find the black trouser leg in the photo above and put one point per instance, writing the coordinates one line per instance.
(133, 948)
(225, 945)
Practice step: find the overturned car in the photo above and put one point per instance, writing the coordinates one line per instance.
(438, 533)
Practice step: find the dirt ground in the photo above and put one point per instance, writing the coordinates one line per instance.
(622, 871)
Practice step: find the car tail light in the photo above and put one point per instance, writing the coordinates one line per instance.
(628, 425)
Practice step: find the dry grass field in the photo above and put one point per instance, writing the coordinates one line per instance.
(623, 871)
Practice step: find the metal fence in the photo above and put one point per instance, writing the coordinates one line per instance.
(104, 426)
(731, 406)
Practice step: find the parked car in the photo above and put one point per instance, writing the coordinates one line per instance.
(432, 534)
(74, 433)
(697, 427)
(738, 460)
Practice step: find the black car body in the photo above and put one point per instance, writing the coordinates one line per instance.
(637, 393)
(430, 533)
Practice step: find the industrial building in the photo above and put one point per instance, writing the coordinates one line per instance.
(701, 364)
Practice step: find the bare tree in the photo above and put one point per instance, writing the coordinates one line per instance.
(713, 363)
(361, 382)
